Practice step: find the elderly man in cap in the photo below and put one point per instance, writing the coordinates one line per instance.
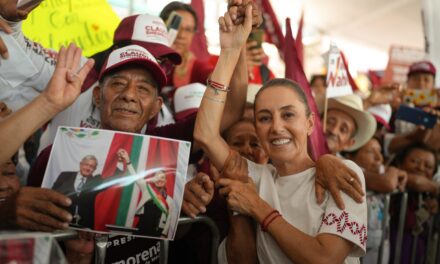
(348, 126)
(127, 98)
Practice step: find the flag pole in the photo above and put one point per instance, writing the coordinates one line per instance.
(324, 121)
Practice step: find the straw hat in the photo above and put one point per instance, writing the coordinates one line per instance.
(365, 122)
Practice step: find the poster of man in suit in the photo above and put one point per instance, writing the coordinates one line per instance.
(72, 183)
(119, 182)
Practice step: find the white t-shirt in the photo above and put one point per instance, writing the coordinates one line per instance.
(294, 197)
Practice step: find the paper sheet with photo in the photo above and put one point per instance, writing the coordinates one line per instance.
(119, 182)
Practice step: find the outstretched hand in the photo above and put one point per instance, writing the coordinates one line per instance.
(333, 175)
(234, 36)
(65, 84)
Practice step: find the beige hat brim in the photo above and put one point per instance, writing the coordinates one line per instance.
(365, 123)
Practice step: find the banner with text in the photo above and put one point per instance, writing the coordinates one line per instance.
(337, 78)
(90, 24)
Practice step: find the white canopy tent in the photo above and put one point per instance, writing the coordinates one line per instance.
(364, 30)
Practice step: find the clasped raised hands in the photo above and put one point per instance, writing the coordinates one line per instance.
(232, 35)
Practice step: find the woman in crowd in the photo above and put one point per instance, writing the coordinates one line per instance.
(191, 69)
(283, 123)
(379, 180)
(242, 137)
(420, 163)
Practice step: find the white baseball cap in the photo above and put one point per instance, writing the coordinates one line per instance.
(187, 100)
(149, 32)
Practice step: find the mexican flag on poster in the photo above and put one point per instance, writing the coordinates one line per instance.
(119, 182)
(337, 78)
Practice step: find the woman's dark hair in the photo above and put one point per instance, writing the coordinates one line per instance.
(178, 6)
(288, 84)
(400, 157)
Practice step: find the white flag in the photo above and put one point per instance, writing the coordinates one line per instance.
(337, 79)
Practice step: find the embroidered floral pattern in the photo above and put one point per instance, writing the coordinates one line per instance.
(343, 223)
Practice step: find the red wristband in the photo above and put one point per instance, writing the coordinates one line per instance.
(267, 218)
(264, 228)
(217, 86)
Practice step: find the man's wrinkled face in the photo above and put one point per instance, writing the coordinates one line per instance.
(339, 130)
(87, 167)
(128, 99)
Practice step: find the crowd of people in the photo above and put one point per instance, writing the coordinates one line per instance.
(250, 168)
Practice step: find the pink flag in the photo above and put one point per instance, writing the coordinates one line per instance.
(299, 43)
(199, 46)
(272, 27)
(294, 71)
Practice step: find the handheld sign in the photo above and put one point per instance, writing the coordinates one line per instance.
(337, 79)
(119, 182)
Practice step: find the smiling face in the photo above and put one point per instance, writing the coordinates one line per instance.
(161, 181)
(282, 124)
(87, 167)
(242, 137)
(128, 99)
(186, 32)
(419, 161)
(9, 182)
(339, 130)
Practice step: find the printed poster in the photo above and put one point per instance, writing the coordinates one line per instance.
(119, 182)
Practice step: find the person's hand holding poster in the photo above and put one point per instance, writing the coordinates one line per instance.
(119, 182)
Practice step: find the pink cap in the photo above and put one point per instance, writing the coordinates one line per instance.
(422, 67)
(149, 32)
(137, 55)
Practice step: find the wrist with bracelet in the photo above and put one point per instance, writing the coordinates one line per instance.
(269, 219)
(217, 86)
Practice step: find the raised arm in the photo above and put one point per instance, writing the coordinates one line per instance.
(62, 90)
(236, 99)
(208, 122)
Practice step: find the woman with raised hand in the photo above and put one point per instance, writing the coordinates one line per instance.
(294, 228)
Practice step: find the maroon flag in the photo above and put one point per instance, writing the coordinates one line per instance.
(294, 71)
(199, 46)
(299, 43)
(272, 27)
(353, 84)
